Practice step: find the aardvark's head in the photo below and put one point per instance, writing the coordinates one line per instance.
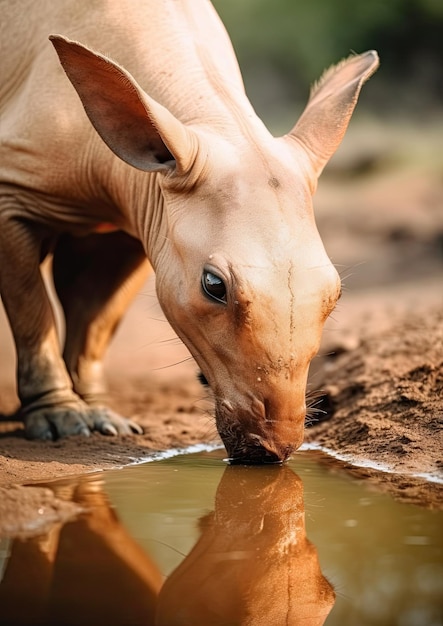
(242, 274)
(246, 283)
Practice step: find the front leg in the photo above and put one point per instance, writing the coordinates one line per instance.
(50, 407)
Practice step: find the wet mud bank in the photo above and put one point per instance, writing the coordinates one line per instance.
(382, 404)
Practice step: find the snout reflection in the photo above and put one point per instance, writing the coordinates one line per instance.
(251, 565)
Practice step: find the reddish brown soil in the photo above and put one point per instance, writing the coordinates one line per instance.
(381, 369)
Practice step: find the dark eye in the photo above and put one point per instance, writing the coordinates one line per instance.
(213, 286)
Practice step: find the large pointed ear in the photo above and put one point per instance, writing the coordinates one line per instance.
(136, 128)
(325, 119)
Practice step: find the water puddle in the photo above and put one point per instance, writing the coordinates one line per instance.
(191, 541)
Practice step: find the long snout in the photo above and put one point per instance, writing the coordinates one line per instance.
(264, 432)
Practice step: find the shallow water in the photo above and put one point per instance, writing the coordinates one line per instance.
(191, 540)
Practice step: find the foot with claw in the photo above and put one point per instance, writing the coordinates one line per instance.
(51, 423)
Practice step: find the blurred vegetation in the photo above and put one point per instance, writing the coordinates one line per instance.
(284, 45)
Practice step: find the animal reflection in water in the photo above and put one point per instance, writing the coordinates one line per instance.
(252, 565)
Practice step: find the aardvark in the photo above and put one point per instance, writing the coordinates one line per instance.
(172, 169)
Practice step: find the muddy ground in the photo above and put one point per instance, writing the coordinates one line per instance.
(376, 388)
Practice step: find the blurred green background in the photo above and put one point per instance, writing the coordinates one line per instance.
(284, 45)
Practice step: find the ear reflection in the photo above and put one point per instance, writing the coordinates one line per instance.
(253, 563)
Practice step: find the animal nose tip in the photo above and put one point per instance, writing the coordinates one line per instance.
(256, 457)
(262, 436)
(255, 451)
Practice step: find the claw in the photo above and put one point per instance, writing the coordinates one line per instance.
(136, 428)
(84, 432)
(109, 429)
(61, 421)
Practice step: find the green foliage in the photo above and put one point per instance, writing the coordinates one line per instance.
(310, 34)
(297, 39)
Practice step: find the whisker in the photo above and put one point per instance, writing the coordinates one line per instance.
(168, 545)
(154, 342)
(322, 355)
(315, 394)
(313, 408)
(350, 269)
(163, 367)
(156, 319)
(176, 341)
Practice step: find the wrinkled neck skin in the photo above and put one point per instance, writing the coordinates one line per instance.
(244, 213)
(141, 202)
